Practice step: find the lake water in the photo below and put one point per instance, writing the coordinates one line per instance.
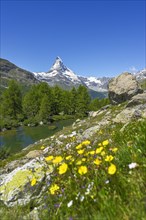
(21, 137)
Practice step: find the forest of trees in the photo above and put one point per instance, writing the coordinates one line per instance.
(42, 103)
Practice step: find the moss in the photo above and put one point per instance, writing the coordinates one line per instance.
(17, 181)
(20, 179)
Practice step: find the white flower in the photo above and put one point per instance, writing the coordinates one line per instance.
(107, 181)
(89, 188)
(132, 165)
(82, 198)
(70, 204)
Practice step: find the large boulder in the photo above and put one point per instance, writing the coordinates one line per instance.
(123, 88)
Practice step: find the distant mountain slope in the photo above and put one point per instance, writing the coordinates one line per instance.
(10, 71)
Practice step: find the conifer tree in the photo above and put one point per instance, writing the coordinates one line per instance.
(45, 109)
(73, 100)
(12, 100)
(82, 101)
(57, 100)
(31, 102)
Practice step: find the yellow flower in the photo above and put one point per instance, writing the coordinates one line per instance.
(112, 169)
(99, 144)
(79, 162)
(97, 161)
(33, 181)
(102, 153)
(114, 149)
(68, 157)
(83, 159)
(53, 188)
(49, 158)
(91, 152)
(42, 147)
(87, 142)
(105, 143)
(82, 170)
(81, 151)
(109, 158)
(79, 146)
(63, 168)
(57, 159)
(98, 150)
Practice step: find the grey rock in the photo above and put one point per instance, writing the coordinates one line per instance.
(123, 88)
(34, 154)
(124, 116)
(15, 187)
(137, 99)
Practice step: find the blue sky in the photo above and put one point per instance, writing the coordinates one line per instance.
(98, 38)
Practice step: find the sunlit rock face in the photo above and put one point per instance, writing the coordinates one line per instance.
(123, 87)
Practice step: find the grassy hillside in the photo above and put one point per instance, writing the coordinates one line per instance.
(98, 172)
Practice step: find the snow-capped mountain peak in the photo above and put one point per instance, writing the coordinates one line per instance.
(63, 76)
(58, 65)
(59, 74)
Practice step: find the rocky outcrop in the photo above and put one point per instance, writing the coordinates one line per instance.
(137, 99)
(123, 88)
(126, 115)
(16, 187)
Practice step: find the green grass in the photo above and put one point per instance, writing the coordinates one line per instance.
(97, 194)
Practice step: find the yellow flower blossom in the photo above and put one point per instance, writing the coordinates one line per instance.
(97, 161)
(102, 153)
(63, 168)
(83, 159)
(33, 181)
(79, 162)
(81, 151)
(82, 170)
(111, 169)
(57, 159)
(68, 157)
(42, 147)
(78, 146)
(105, 143)
(53, 189)
(87, 142)
(98, 150)
(109, 158)
(49, 158)
(114, 149)
(99, 144)
(91, 152)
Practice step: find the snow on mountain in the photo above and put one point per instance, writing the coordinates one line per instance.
(96, 84)
(63, 76)
(59, 74)
(141, 75)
